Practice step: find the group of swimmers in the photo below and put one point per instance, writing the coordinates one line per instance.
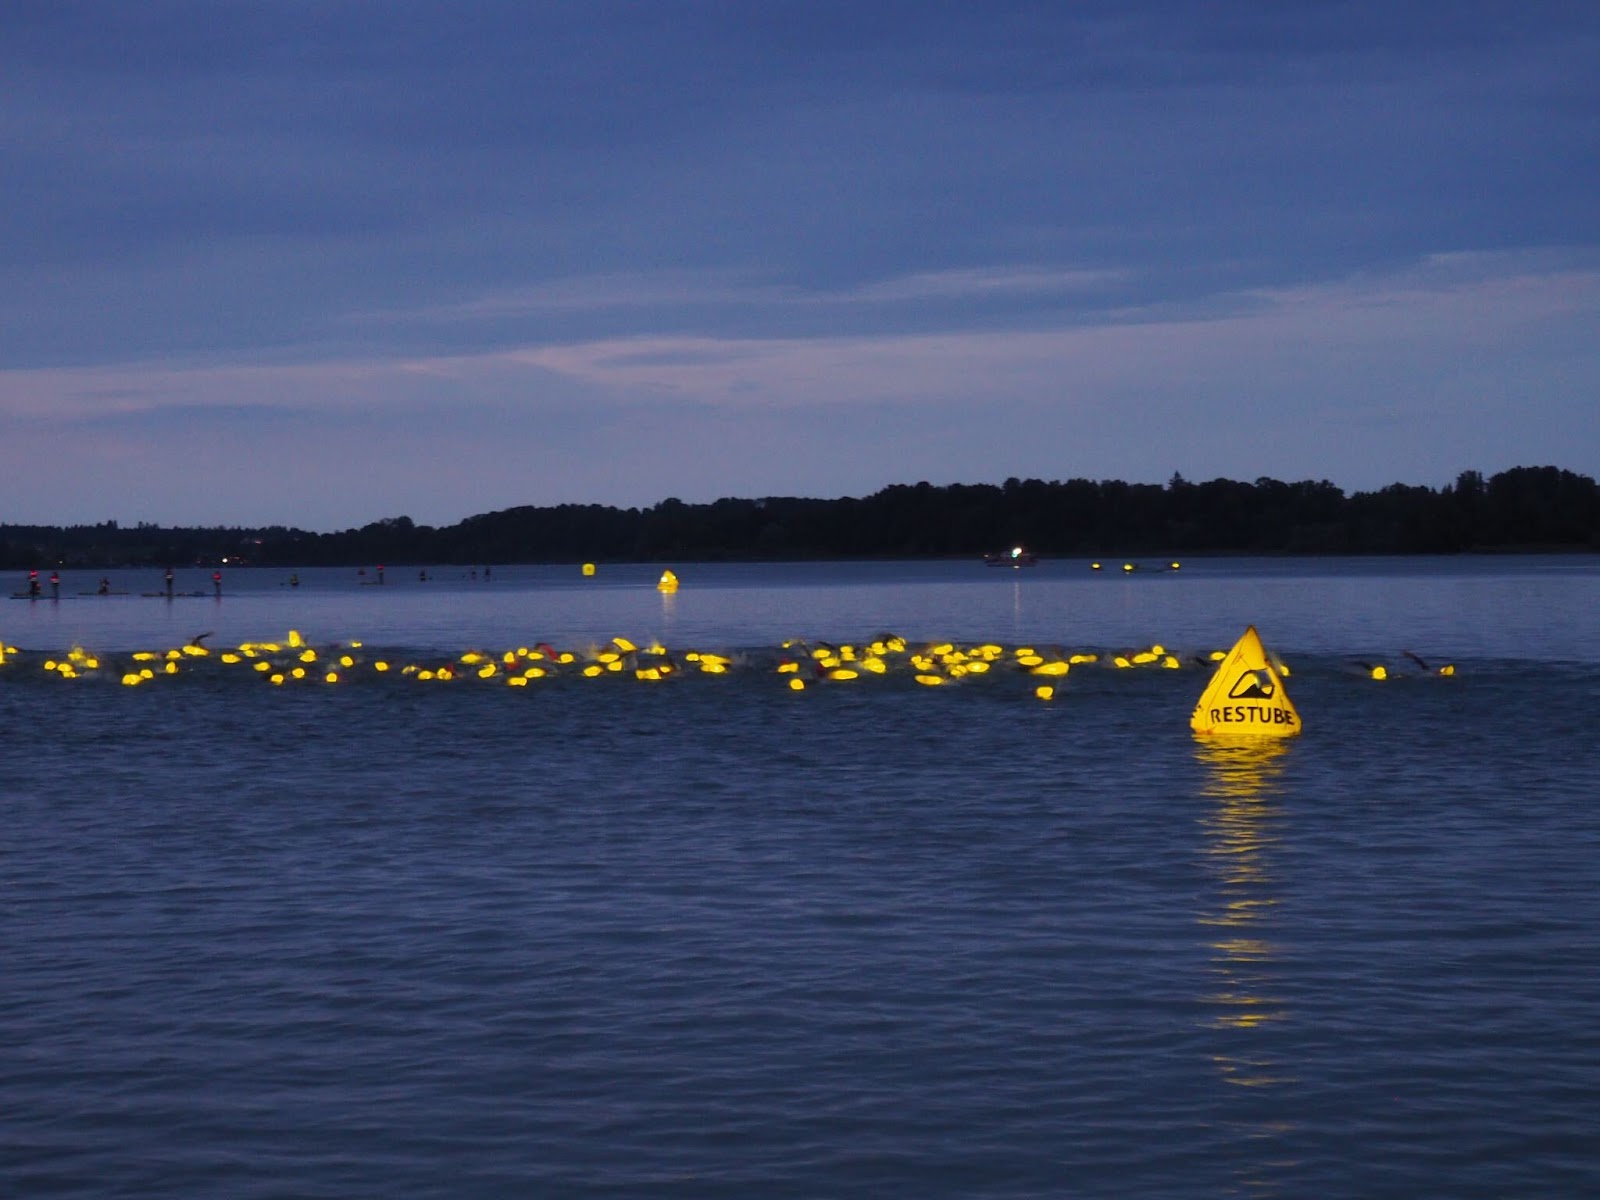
(35, 588)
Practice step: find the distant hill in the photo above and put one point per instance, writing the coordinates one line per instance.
(1526, 508)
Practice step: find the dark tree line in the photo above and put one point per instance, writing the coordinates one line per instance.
(1521, 509)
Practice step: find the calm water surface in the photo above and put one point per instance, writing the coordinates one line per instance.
(714, 938)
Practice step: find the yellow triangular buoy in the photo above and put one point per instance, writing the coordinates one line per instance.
(668, 582)
(1246, 696)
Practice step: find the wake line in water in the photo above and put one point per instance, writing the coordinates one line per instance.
(796, 664)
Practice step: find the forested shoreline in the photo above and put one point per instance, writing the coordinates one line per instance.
(1525, 508)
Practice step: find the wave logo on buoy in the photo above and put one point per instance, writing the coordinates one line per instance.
(1253, 685)
(1245, 697)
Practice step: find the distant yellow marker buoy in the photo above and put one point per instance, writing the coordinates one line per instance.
(588, 569)
(1245, 697)
(668, 582)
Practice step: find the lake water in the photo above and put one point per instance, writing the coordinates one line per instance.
(712, 937)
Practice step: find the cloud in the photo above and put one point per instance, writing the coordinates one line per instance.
(705, 298)
(1413, 375)
(541, 252)
(253, 181)
(1449, 301)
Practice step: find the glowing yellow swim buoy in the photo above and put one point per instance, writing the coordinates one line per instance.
(668, 582)
(1245, 697)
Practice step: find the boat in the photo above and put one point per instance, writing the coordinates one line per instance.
(1014, 557)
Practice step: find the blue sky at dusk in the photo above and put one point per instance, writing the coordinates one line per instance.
(318, 263)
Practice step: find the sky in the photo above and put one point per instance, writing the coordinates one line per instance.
(322, 262)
